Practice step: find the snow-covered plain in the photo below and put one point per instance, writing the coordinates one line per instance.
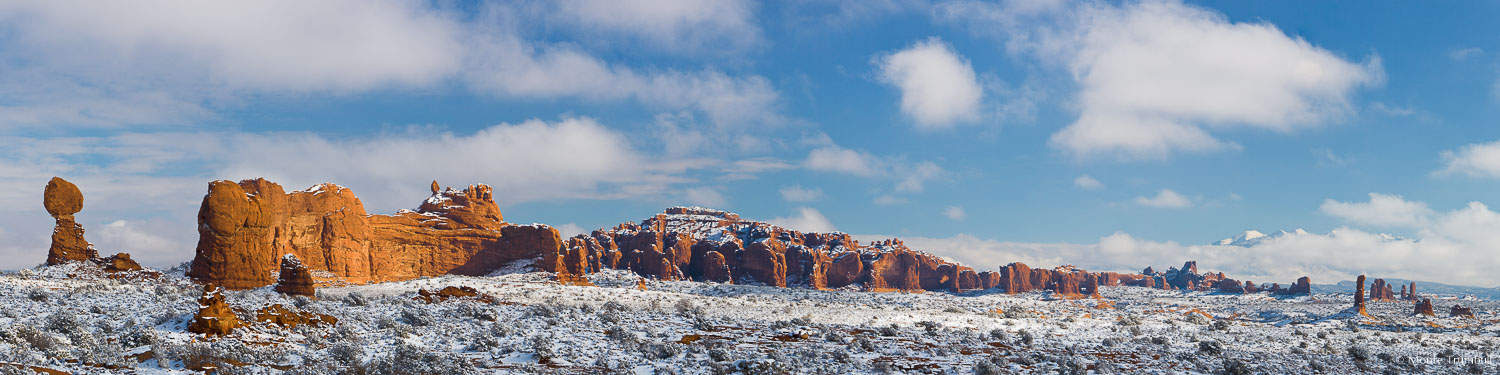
(88, 323)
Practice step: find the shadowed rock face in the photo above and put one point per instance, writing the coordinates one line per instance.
(245, 228)
(63, 199)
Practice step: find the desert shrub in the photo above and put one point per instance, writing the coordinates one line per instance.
(1221, 325)
(687, 308)
(1358, 353)
(301, 301)
(39, 295)
(763, 366)
(1110, 342)
(889, 330)
(408, 359)
(1016, 312)
(998, 334)
(416, 317)
(930, 326)
(543, 345)
(1474, 368)
(1234, 367)
(1129, 320)
(477, 311)
(1160, 340)
(355, 299)
(39, 340)
(1210, 347)
(1027, 338)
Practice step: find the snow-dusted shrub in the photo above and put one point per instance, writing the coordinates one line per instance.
(762, 366)
(1016, 312)
(347, 355)
(38, 295)
(1358, 353)
(1027, 338)
(408, 359)
(687, 308)
(543, 345)
(1234, 367)
(39, 340)
(889, 330)
(661, 351)
(1221, 325)
(930, 326)
(1110, 342)
(355, 299)
(1210, 347)
(989, 368)
(998, 335)
(416, 317)
(477, 311)
(301, 301)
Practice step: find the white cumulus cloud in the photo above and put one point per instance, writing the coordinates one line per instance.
(681, 26)
(1087, 183)
(1475, 160)
(806, 220)
(1382, 210)
(955, 213)
(938, 86)
(797, 193)
(1166, 198)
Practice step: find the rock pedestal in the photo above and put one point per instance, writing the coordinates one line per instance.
(294, 278)
(63, 199)
(1359, 296)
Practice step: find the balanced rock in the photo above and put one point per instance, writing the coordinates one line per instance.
(245, 227)
(214, 317)
(1424, 308)
(294, 278)
(63, 199)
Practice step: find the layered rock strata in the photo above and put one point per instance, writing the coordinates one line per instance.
(62, 200)
(246, 227)
(701, 244)
(295, 279)
(214, 317)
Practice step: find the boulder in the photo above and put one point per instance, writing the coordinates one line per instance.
(120, 262)
(294, 278)
(63, 199)
(1424, 308)
(282, 316)
(1460, 312)
(214, 317)
(450, 292)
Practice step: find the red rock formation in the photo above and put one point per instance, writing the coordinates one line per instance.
(1303, 286)
(120, 262)
(1411, 292)
(214, 316)
(282, 316)
(63, 199)
(1359, 296)
(1460, 312)
(294, 278)
(1381, 292)
(715, 269)
(245, 227)
(450, 292)
(1231, 286)
(1424, 308)
(1016, 278)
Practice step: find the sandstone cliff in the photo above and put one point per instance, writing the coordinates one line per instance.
(245, 228)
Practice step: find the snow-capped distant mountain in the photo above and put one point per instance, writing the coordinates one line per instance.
(1252, 237)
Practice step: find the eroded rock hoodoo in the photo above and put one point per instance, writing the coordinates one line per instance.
(63, 199)
(1424, 308)
(214, 317)
(1359, 296)
(245, 227)
(295, 279)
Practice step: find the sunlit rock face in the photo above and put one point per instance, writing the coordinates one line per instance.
(245, 229)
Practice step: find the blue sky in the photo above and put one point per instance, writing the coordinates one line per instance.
(1112, 135)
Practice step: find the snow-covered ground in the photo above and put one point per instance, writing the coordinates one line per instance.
(94, 324)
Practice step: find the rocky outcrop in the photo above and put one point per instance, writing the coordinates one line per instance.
(1359, 296)
(1424, 308)
(245, 227)
(1231, 286)
(1303, 286)
(451, 292)
(214, 317)
(282, 316)
(1409, 293)
(295, 279)
(694, 243)
(1381, 292)
(120, 262)
(63, 199)
(1460, 312)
